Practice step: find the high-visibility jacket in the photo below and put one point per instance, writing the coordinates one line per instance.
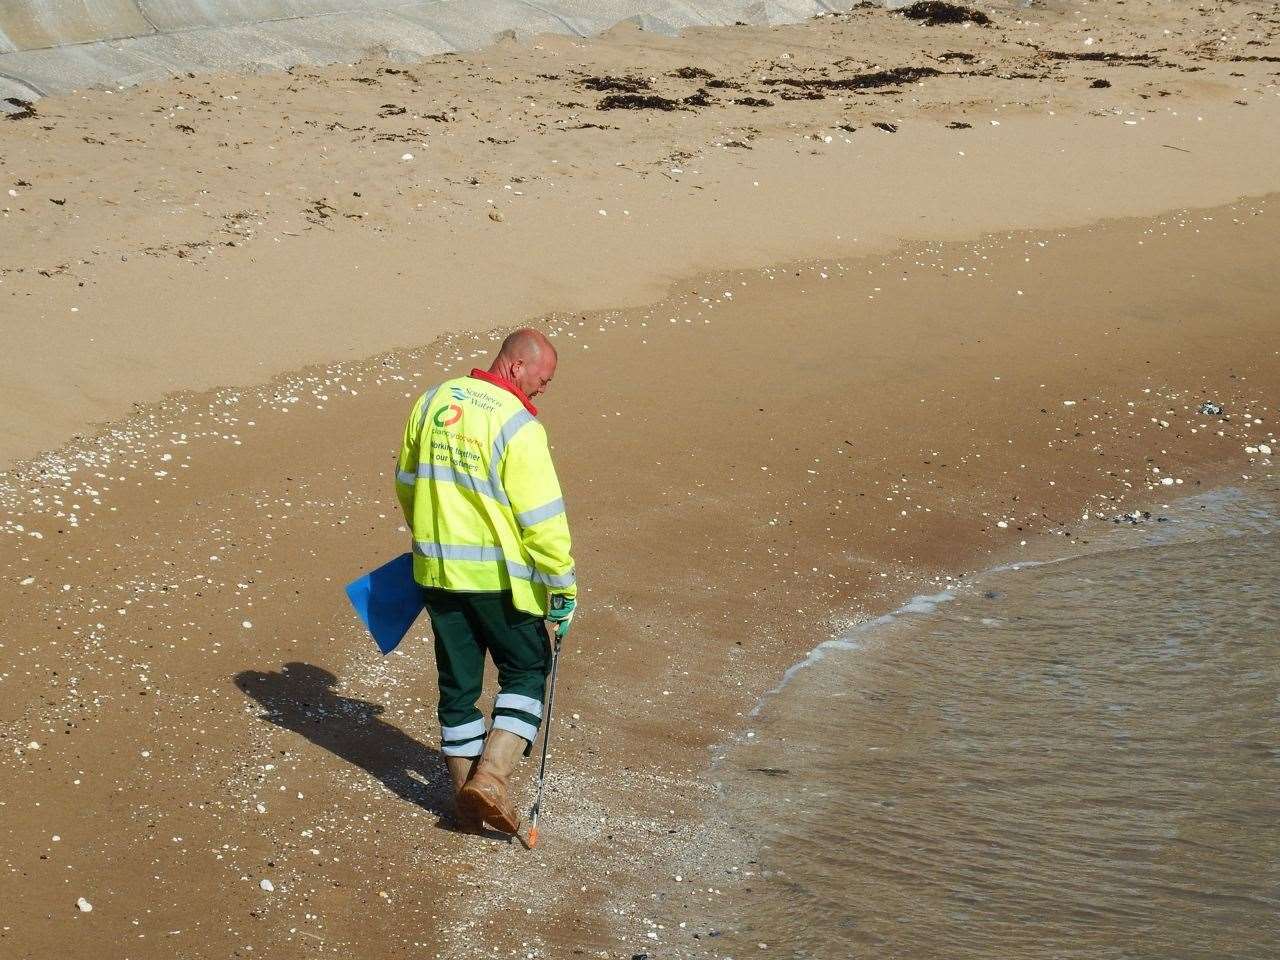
(479, 492)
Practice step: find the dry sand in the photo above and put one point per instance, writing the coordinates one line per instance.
(962, 356)
(154, 233)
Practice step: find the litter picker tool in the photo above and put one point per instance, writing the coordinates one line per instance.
(546, 740)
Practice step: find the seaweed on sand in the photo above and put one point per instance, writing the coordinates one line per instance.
(616, 84)
(636, 101)
(1100, 56)
(25, 109)
(862, 81)
(936, 13)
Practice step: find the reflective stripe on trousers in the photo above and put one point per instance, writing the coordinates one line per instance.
(464, 740)
(518, 727)
(516, 701)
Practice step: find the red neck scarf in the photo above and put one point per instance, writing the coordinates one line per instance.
(507, 385)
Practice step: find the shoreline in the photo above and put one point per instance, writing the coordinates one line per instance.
(794, 855)
(1114, 540)
(752, 849)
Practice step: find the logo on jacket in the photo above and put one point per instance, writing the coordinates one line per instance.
(447, 416)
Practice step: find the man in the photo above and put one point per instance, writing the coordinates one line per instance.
(491, 552)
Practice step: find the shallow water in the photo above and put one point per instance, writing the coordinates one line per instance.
(1078, 759)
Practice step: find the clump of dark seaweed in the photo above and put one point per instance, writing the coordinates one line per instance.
(936, 13)
(616, 84)
(692, 73)
(861, 81)
(636, 101)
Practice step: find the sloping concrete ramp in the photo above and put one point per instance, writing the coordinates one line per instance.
(52, 46)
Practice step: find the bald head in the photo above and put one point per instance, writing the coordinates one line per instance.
(528, 359)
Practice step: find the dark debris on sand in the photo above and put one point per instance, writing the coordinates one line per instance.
(936, 13)
(692, 73)
(805, 93)
(636, 101)
(615, 84)
(862, 81)
(1100, 56)
(24, 109)
(700, 99)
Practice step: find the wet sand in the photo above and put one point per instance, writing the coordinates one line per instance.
(746, 473)
(752, 461)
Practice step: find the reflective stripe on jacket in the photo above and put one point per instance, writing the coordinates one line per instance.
(479, 492)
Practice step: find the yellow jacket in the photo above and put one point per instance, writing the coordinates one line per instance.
(479, 492)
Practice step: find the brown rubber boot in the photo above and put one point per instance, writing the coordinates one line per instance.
(460, 771)
(486, 796)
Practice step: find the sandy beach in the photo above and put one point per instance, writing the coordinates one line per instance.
(203, 211)
(866, 333)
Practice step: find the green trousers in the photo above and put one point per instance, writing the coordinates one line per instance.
(466, 626)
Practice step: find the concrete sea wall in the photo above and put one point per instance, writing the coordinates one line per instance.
(53, 46)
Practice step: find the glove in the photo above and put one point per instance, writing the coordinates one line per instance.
(561, 613)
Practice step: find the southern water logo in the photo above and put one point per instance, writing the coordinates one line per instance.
(448, 416)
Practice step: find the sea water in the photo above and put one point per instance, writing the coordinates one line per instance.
(1072, 759)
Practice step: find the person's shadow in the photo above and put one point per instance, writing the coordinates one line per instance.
(301, 698)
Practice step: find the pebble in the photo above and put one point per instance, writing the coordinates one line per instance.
(266, 885)
(407, 156)
(84, 905)
(1264, 449)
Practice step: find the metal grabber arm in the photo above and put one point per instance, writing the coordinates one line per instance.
(546, 738)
